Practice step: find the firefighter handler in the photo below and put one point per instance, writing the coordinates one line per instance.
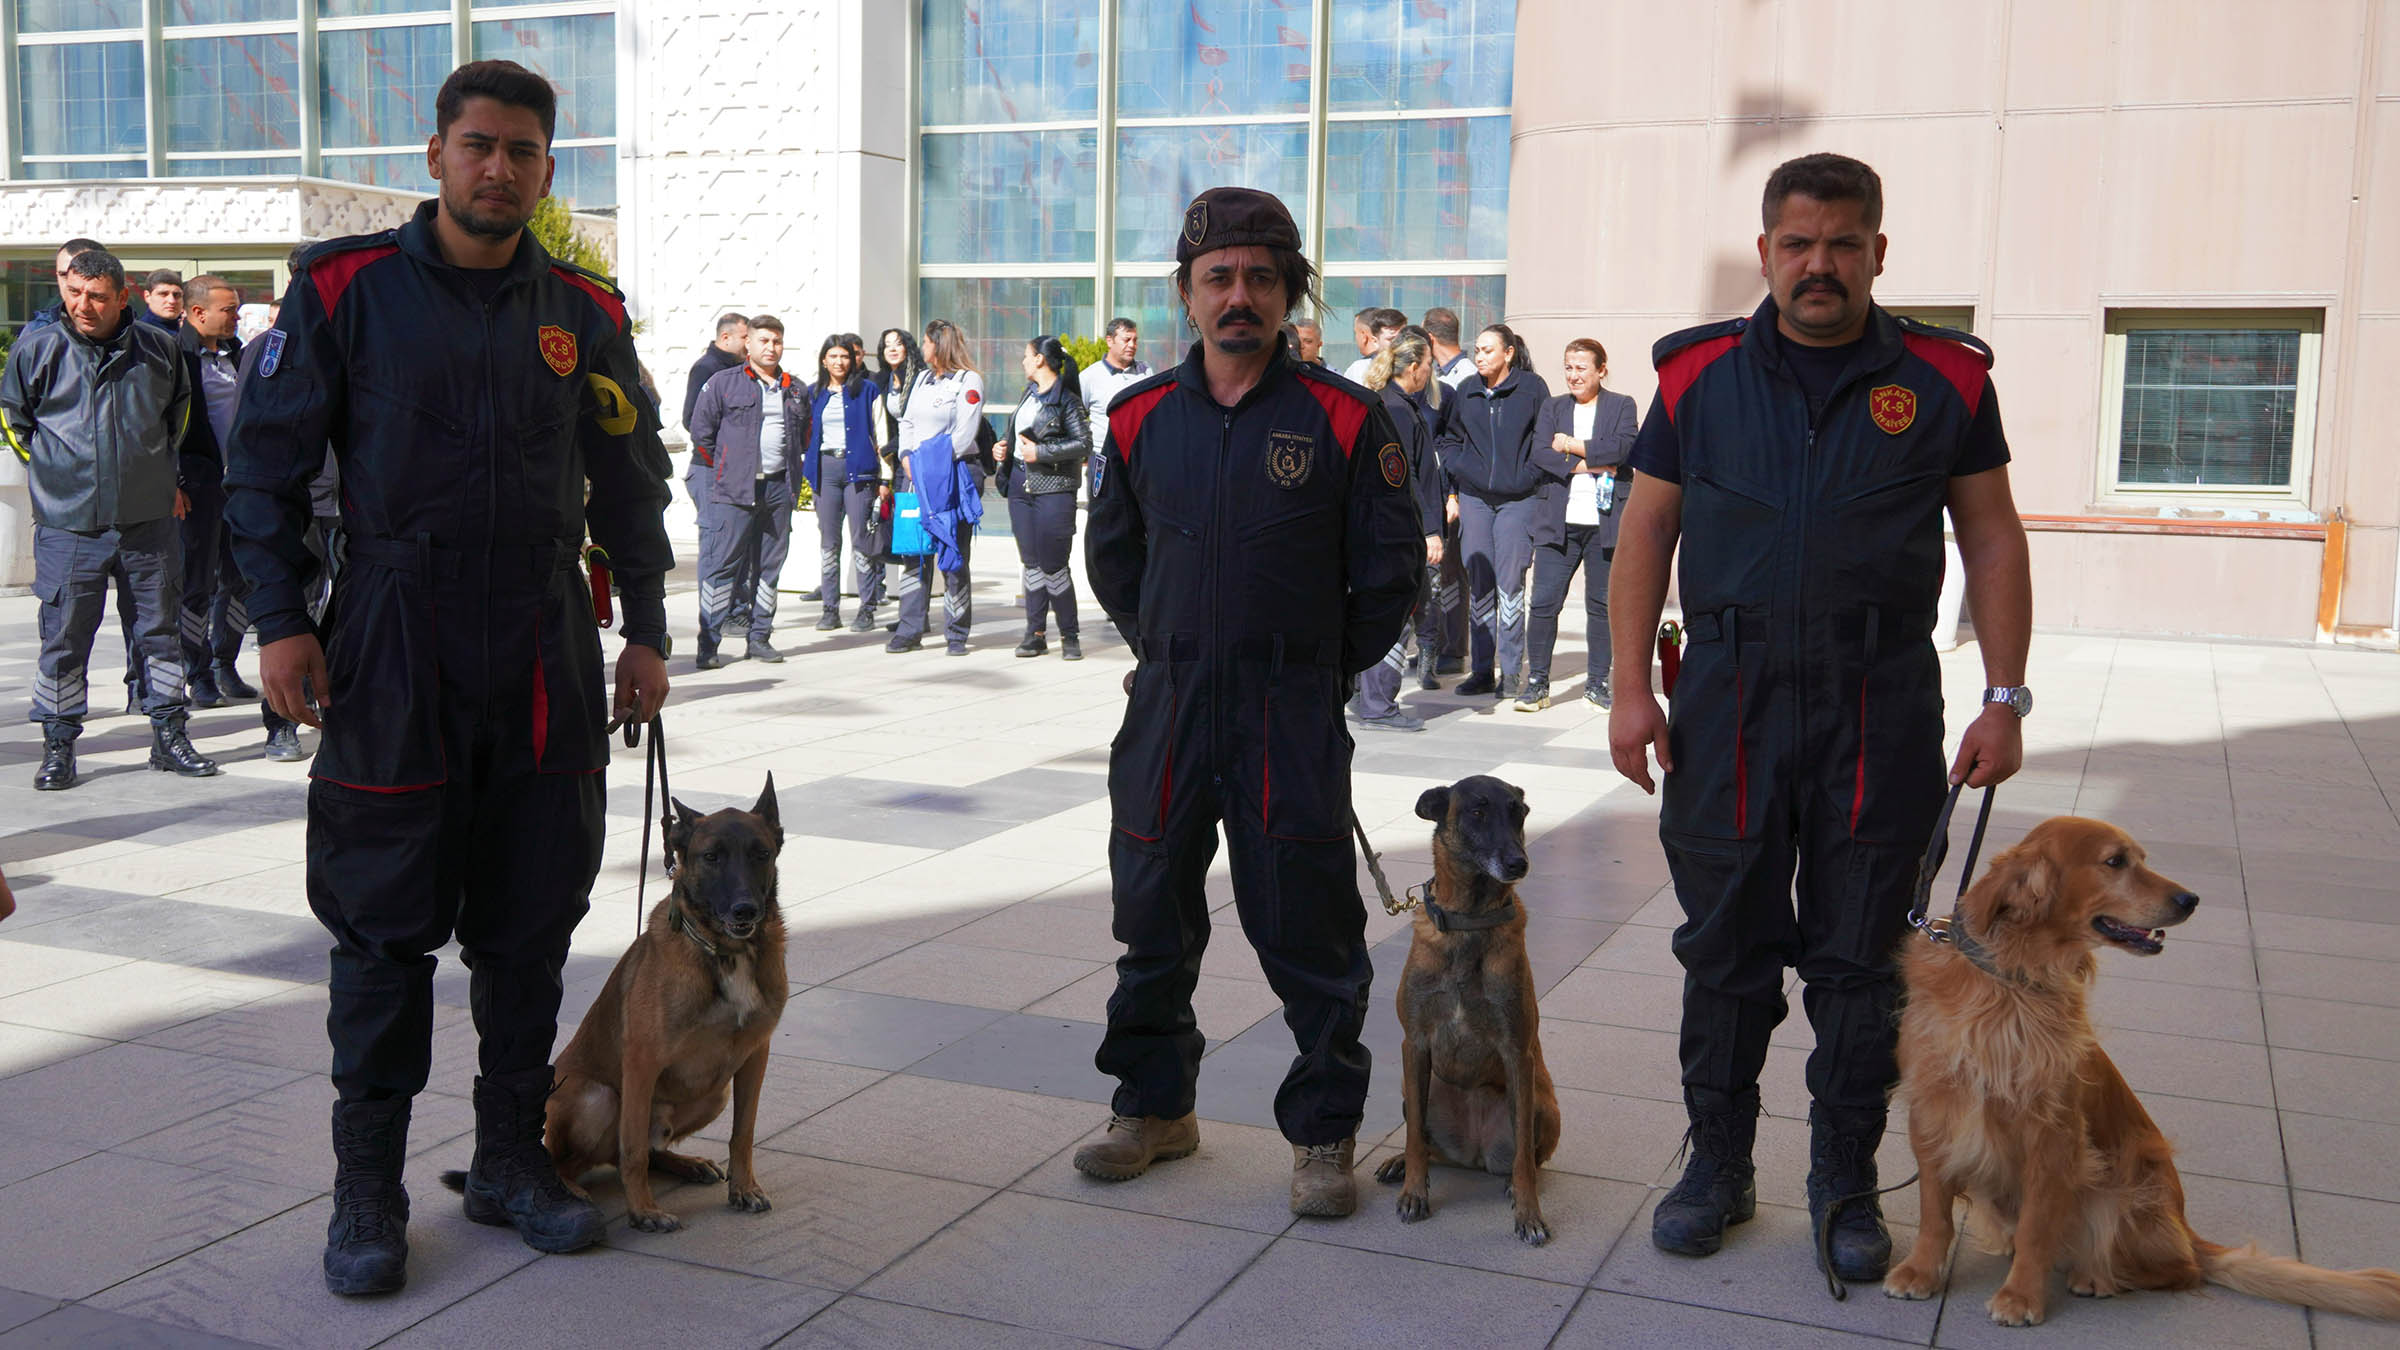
(1804, 456)
(1254, 537)
(470, 386)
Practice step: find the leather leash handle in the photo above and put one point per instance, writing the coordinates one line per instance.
(1937, 851)
(654, 776)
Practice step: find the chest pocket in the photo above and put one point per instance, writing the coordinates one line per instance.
(1290, 483)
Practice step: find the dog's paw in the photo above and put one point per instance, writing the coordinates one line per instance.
(2012, 1309)
(1414, 1206)
(653, 1220)
(748, 1199)
(686, 1167)
(1393, 1168)
(1911, 1282)
(2084, 1285)
(1531, 1228)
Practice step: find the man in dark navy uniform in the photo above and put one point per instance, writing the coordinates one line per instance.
(1253, 535)
(1804, 457)
(471, 388)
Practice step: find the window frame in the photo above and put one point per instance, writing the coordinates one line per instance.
(2296, 495)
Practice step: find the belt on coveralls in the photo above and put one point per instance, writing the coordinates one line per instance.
(437, 562)
(1273, 648)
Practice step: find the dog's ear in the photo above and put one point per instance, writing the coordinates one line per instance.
(679, 834)
(1433, 804)
(2021, 884)
(766, 809)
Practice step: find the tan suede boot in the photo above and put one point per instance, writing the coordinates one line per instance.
(1321, 1183)
(1134, 1142)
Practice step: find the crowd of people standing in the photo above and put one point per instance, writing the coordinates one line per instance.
(1518, 487)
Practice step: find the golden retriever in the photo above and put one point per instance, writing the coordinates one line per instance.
(2013, 1106)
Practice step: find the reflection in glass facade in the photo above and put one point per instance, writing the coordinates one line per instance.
(1209, 93)
(233, 104)
(1478, 300)
(999, 315)
(2210, 408)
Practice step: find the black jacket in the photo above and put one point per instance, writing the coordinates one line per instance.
(1285, 520)
(1614, 424)
(1425, 476)
(711, 361)
(1486, 440)
(200, 461)
(1061, 429)
(98, 423)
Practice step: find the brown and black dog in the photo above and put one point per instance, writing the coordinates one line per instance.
(2014, 1107)
(1472, 1079)
(683, 1021)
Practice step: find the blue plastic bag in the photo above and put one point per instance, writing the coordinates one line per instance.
(909, 539)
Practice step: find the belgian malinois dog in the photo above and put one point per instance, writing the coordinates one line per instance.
(683, 1022)
(1473, 1084)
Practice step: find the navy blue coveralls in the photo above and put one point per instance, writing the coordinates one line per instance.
(1806, 726)
(1256, 556)
(459, 782)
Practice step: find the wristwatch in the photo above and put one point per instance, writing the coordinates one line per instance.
(2018, 698)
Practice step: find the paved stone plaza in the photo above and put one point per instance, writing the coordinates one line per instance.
(163, 1154)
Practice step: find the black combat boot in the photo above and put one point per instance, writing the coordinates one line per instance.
(57, 773)
(513, 1182)
(366, 1244)
(230, 680)
(1717, 1189)
(171, 751)
(1841, 1167)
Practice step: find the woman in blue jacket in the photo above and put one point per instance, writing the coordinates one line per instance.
(1050, 440)
(845, 471)
(1498, 476)
(1593, 430)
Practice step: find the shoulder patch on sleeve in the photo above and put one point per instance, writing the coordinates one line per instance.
(610, 300)
(1968, 369)
(1394, 463)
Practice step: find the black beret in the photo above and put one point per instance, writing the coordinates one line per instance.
(1229, 217)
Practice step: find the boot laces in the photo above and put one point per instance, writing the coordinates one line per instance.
(1329, 1155)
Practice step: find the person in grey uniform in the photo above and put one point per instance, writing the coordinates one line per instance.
(845, 471)
(1051, 441)
(96, 406)
(746, 419)
(946, 400)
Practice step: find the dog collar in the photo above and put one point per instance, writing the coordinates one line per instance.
(1954, 935)
(1446, 922)
(676, 921)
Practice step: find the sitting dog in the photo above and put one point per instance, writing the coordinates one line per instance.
(2013, 1105)
(683, 1021)
(1472, 1079)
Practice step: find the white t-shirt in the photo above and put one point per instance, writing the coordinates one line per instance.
(1584, 489)
(835, 437)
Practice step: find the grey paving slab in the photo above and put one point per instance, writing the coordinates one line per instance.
(872, 1030)
(1472, 1223)
(1080, 1270)
(2333, 1028)
(609, 1297)
(963, 1131)
(107, 1217)
(1239, 1178)
(16, 1308)
(1025, 1053)
(1604, 1320)
(856, 1323)
(1766, 1269)
(81, 1328)
(1384, 1301)
(2346, 1233)
(124, 1091)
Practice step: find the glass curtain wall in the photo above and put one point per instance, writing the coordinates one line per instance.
(1396, 168)
(232, 102)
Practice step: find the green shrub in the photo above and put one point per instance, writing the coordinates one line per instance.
(1086, 351)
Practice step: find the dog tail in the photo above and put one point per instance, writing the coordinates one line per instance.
(2363, 1293)
(456, 1181)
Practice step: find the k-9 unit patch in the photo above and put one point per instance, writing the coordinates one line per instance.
(270, 355)
(1289, 455)
(1393, 463)
(558, 348)
(1893, 407)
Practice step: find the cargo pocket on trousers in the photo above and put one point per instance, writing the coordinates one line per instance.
(1708, 792)
(383, 728)
(569, 717)
(1141, 760)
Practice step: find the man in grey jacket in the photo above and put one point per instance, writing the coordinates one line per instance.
(96, 406)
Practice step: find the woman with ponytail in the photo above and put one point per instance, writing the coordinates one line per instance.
(1050, 443)
(1398, 375)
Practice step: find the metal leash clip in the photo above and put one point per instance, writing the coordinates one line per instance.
(1383, 887)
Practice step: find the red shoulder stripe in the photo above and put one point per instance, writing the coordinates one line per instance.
(333, 275)
(609, 303)
(1676, 377)
(1347, 413)
(1125, 419)
(1961, 366)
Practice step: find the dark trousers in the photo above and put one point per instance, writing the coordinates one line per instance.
(1554, 568)
(915, 590)
(215, 612)
(1295, 885)
(504, 862)
(851, 505)
(1045, 530)
(1379, 684)
(1442, 605)
(1496, 538)
(742, 549)
(72, 570)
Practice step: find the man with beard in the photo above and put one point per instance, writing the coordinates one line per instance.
(1255, 540)
(471, 387)
(1803, 457)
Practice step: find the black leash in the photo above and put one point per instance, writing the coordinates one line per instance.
(654, 777)
(1929, 867)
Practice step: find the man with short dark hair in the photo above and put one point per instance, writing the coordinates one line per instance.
(1451, 364)
(728, 351)
(96, 406)
(1806, 740)
(1308, 347)
(1382, 325)
(1118, 369)
(750, 423)
(485, 401)
(162, 299)
(1255, 540)
(214, 613)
